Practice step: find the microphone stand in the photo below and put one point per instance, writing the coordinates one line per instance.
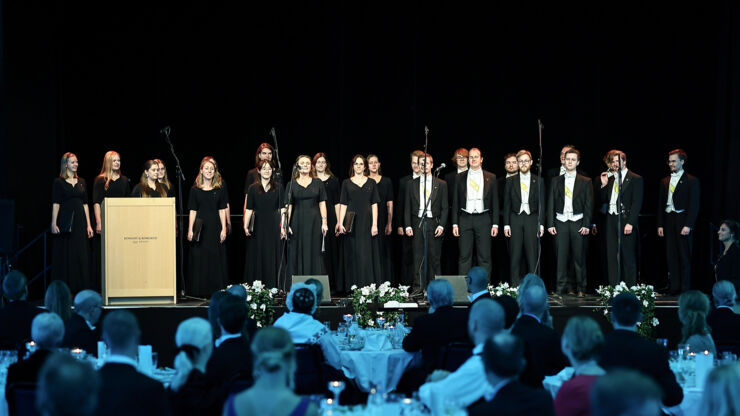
(284, 216)
(540, 126)
(279, 173)
(423, 221)
(620, 211)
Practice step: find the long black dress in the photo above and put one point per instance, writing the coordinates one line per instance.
(304, 246)
(119, 188)
(207, 267)
(331, 242)
(71, 251)
(385, 192)
(361, 255)
(263, 254)
(136, 192)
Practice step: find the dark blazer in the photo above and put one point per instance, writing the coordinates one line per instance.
(399, 203)
(632, 195)
(725, 326)
(483, 296)
(15, 323)
(125, 391)
(728, 266)
(27, 371)
(490, 196)
(197, 397)
(685, 197)
(627, 349)
(541, 350)
(582, 199)
(78, 335)
(439, 202)
(451, 179)
(232, 359)
(513, 196)
(433, 331)
(516, 399)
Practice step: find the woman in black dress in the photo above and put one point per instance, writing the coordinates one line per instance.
(385, 217)
(70, 222)
(727, 266)
(164, 179)
(149, 185)
(306, 199)
(207, 202)
(264, 202)
(360, 254)
(322, 170)
(108, 184)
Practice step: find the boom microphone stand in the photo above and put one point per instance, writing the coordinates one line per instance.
(540, 126)
(284, 215)
(423, 223)
(620, 210)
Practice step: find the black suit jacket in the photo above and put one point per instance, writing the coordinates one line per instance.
(513, 196)
(438, 202)
(627, 349)
(15, 323)
(541, 350)
(725, 326)
(125, 391)
(582, 199)
(486, 295)
(516, 399)
(78, 335)
(490, 195)
(433, 331)
(400, 202)
(685, 197)
(27, 371)
(451, 179)
(632, 194)
(232, 359)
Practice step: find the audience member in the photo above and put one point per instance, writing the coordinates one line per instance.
(319, 289)
(213, 303)
(625, 393)
(721, 394)
(581, 341)
(124, 390)
(503, 357)
(303, 328)
(17, 315)
(274, 368)
(693, 307)
(250, 325)
(58, 299)
(67, 387)
(468, 383)
(625, 348)
(529, 280)
(238, 291)
(541, 342)
(725, 323)
(511, 310)
(232, 358)
(477, 280)
(80, 330)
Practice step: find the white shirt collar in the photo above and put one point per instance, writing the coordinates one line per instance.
(415, 175)
(226, 336)
(121, 359)
(476, 295)
(570, 175)
(726, 307)
(509, 175)
(525, 175)
(475, 172)
(533, 316)
(89, 325)
(677, 174)
(461, 170)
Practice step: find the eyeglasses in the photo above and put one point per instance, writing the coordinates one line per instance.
(523, 162)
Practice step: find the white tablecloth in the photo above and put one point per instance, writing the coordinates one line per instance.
(382, 369)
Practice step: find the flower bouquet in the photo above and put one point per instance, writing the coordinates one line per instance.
(366, 299)
(644, 293)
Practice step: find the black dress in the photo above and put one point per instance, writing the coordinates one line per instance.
(253, 176)
(304, 245)
(360, 253)
(153, 193)
(727, 266)
(331, 246)
(71, 252)
(385, 192)
(207, 268)
(119, 188)
(263, 254)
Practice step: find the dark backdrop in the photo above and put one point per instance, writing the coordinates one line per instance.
(342, 78)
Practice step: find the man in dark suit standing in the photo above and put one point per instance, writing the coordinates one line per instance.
(502, 246)
(80, 330)
(475, 213)
(503, 357)
(231, 359)
(521, 215)
(631, 194)
(124, 390)
(725, 323)
(17, 315)
(426, 197)
(569, 208)
(678, 207)
(407, 257)
(449, 246)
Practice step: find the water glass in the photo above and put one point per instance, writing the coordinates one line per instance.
(336, 387)
(400, 319)
(381, 321)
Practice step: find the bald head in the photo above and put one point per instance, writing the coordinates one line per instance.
(534, 300)
(486, 318)
(477, 279)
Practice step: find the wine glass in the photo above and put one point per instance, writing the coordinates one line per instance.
(381, 321)
(400, 321)
(336, 387)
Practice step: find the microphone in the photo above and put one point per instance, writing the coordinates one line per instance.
(440, 167)
(165, 130)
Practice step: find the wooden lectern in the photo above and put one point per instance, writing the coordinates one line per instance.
(138, 251)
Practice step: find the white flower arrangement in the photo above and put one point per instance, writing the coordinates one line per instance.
(365, 296)
(645, 294)
(260, 303)
(503, 289)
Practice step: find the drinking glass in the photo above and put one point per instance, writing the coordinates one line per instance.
(327, 324)
(155, 359)
(400, 319)
(381, 321)
(336, 387)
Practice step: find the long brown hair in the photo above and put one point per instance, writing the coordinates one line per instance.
(693, 307)
(146, 191)
(216, 183)
(313, 164)
(166, 178)
(380, 172)
(272, 183)
(259, 149)
(63, 165)
(352, 165)
(106, 171)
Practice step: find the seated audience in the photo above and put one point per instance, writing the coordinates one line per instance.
(581, 341)
(67, 387)
(303, 328)
(47, 331)
(693, 307)
(721, 394)
(503, 357)
(468, 383)
(80, 330)
(625, 393)
(725, 323)
(213, 304)
(727, 266)
(274, 367)
(17, 315)
(231, 359)
(58, 299)
(477, 280)
(511, 310)
(124, 390)
(625, 348)
(541, 342)
(319, 289)
(529, 280)
(250, 325)
(239, 291)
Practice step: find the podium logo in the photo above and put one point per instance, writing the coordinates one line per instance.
(140, 239)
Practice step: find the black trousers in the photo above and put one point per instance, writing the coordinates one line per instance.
(523, 239)
(407, 260)
(629, 252)
(475, 231)
(570, 244)
(678, 251)
(434, 251)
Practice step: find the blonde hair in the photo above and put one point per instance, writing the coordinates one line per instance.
(273, 350)
(584, 337)
(693, 307)
(63, 165)
(721, 392)
(165, 179)
(216, 176)
(195, 332)
(106, 171)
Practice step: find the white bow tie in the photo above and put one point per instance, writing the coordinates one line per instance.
(569, 175)
(675, 174)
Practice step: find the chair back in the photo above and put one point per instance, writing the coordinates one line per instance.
(454, 354)
(309, 376)
(22, 399)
